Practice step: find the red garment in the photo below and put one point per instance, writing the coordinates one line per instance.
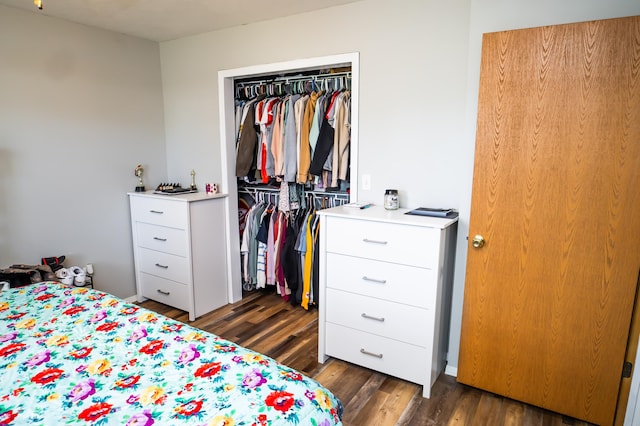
(333, 98)
(265, 119)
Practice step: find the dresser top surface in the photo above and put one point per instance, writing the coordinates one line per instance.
(380, 214)
(188, 197)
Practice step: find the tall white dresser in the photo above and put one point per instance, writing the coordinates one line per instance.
(180, 250)
(385, 291)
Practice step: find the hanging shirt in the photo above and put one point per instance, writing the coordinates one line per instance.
(317, 122)
(308, 262)
(299, 109)
(305, 145)
(266, 126)
(290, 170)
(340, 160)
(277, 146)
(247, 141)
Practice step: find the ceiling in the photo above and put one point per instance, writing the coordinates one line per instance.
(162, 20)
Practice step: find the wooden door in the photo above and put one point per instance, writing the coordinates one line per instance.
(556, 196)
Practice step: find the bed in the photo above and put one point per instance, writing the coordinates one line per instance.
(78, 355)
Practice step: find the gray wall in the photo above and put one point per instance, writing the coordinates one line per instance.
(79, 108)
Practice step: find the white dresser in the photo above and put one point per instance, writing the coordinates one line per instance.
(385, 291)
(180, 251)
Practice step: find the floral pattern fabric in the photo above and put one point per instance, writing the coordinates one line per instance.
(77, 355)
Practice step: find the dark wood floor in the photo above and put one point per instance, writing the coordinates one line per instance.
(263, 322)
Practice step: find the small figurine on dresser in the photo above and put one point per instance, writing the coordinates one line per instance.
(138, 172)
(193, 180)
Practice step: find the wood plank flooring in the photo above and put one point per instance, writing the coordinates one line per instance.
(264, 322)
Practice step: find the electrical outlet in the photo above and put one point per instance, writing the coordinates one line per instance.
(366, 182)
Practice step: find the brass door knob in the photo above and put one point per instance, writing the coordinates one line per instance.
(478, 241)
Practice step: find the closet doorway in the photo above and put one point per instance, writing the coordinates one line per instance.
(226, 97)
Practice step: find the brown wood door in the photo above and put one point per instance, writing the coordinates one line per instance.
(556, 196)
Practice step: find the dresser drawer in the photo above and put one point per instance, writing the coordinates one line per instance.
(388, 356)
(390, 242)
(387, 319)
(165, 291)
(159, 212)
(169, 266)
(162, 238)
(389, 281)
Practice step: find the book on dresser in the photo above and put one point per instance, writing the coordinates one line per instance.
(434, 212)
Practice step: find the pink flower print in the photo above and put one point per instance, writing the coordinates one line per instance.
(39, 358)
(133, 399)
(98, 316)
(253, 379)
(67, 302)
(137, 334)
(8, 336)
(188, 354)
(39, 289)
(82, 390)
(141, 419)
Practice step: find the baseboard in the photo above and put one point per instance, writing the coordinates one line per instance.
(451, 371)
(131, 299)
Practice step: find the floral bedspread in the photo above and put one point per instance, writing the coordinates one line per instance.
(76, 355)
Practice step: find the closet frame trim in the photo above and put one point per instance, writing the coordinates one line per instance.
(226, 98)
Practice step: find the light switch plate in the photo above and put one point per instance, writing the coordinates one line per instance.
(366, 182)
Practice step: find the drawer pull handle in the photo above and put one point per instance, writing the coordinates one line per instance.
(156, 211)
(366, 240)
(159, 239)
(362, 351)
(166, 293)
(374, 280)
(162, 266)
(381, 319)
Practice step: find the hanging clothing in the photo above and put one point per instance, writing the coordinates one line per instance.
(290, 142)
(304, 156)
(247, 141)
(341, 138)
(323, 148)
(299, 141)
(308, 262)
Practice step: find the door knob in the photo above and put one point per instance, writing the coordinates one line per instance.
(478, 241)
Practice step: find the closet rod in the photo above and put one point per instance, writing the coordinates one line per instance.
(252, 191)
(295, 78)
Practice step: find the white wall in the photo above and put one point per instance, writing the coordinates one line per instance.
(79, 108)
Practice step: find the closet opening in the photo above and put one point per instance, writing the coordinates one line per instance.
(247, 179)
